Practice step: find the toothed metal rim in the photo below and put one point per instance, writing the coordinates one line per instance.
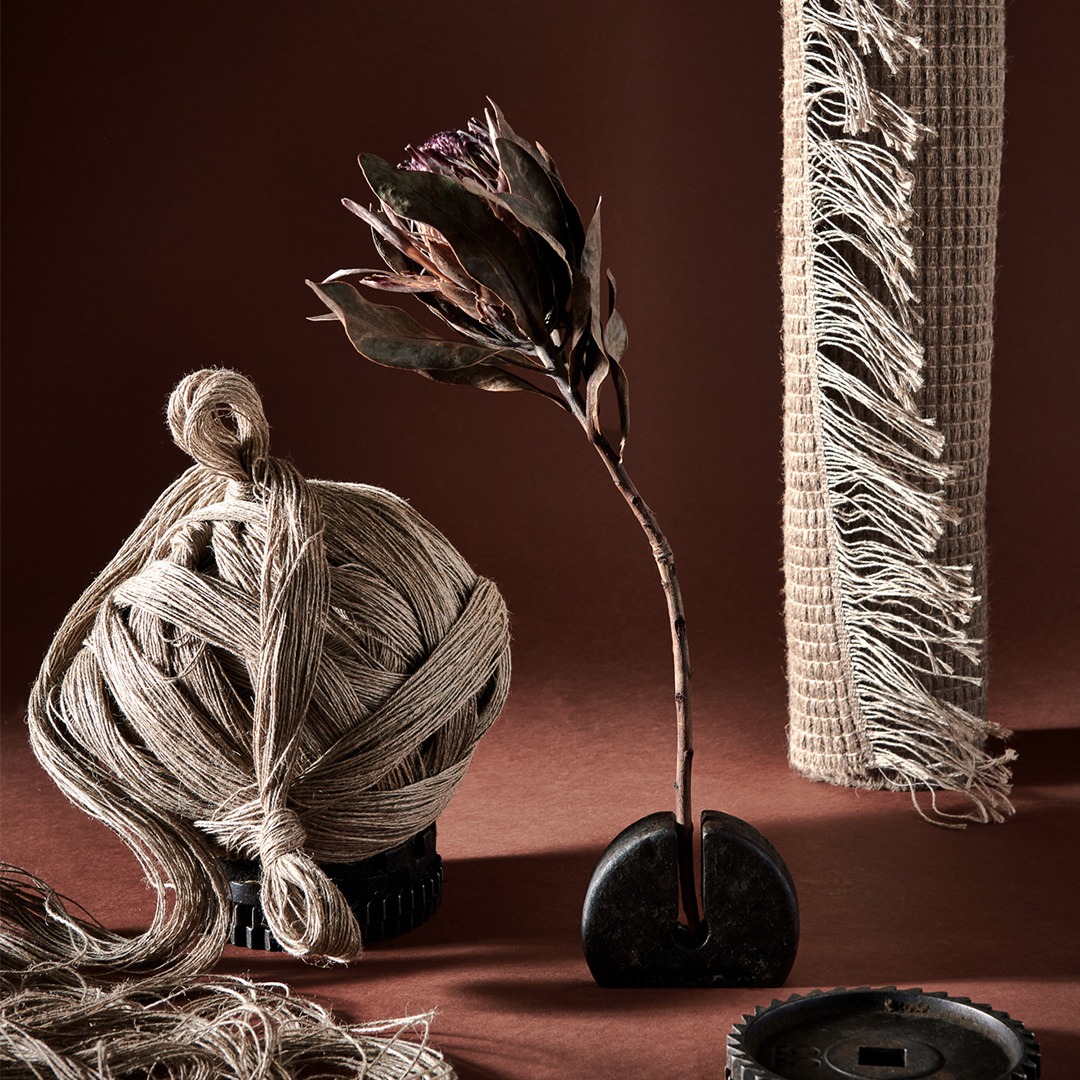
(740, 1065)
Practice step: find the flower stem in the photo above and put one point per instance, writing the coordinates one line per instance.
(680, 650)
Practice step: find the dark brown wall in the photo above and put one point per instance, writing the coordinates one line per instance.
(172, 174)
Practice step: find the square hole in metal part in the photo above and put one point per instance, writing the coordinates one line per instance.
(885, 1056)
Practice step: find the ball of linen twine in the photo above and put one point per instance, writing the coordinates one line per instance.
(275, 668)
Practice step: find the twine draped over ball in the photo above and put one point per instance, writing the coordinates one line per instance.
(270, 668)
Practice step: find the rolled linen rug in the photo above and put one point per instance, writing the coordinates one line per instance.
(893, 116)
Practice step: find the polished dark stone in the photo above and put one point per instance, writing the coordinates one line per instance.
(630, 924)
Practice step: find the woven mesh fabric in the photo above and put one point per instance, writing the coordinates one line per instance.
(824, 738)
(955, 86)
(943, 245)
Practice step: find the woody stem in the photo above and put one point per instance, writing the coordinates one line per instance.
(680, 649)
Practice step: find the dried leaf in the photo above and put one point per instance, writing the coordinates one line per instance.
(337, 275)
(442, 261)
(622, 396)
(389, 336)
(616, 337)
(391, 244)
(393, 255)
(378, 223)
(570, 210)
(485, 246)
(501, 129)
(575, 233)
(519, 209)
(598, 372)
(531, 182)
(401, 283)
(456, 316)
(590, 268)
(494, 379)
(580, 325)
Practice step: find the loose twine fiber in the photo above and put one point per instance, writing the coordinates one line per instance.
(271, 667)
(893, 114)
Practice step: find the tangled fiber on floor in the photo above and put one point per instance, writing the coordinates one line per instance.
(270, 668)
(57, 1022)
(892, 151)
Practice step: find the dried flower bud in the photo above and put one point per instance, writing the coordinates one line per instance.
(478, 226)
(463, 154)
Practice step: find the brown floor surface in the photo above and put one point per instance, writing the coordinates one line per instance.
(885, 898)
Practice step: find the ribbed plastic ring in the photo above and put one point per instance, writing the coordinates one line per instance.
(390, 893)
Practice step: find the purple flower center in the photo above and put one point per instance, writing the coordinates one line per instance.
(460, 154)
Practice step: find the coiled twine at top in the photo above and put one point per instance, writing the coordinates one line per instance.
(271, 667)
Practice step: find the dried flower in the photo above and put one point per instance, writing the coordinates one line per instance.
(477, 225)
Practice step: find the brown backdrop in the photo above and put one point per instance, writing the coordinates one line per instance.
(172, 174)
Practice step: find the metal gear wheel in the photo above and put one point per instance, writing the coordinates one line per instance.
(880, 1034)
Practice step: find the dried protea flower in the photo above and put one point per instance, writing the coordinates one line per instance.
(478, 226)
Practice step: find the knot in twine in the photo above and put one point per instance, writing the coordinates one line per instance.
(198, 410)
(271, 667)
(280, 835)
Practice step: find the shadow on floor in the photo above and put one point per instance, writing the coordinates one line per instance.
(885, 898)
(888, 899)
(503, 910)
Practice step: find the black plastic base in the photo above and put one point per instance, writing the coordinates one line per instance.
(390, 893)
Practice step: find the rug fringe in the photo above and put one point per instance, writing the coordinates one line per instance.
(905, 616)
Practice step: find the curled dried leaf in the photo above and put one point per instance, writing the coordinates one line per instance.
(486, 248)
(389, 336)
(494, 379)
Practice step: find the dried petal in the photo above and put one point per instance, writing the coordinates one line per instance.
(485, 247)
